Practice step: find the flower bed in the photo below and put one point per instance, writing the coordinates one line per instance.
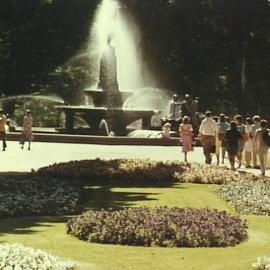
(127, 171)
(165, 227)
(263, 263)
(211, 174)
(22, 195)
(18, 257)
(248, 197)
(139, 172)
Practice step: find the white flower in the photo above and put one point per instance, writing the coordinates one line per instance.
(18, 257)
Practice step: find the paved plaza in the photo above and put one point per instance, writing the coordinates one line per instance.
(43, 154)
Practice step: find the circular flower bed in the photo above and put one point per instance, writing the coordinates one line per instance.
(164, 227)
(211, 174)
(248, 197)
(18, 257)
(25, 194)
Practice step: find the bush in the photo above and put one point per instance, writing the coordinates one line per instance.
(164, 227)
(25, 194)
(248, 197)
(18, 257)
(211, 174)
(127, 171)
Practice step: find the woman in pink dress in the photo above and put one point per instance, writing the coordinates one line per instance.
(186, 134)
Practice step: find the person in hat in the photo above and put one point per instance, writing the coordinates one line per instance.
(27, 129)
(3, 122)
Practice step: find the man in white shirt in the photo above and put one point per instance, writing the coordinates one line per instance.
(207, 132)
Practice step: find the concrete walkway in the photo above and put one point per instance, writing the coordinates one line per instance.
(43, 154)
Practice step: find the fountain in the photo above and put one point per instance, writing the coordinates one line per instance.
(107, 114)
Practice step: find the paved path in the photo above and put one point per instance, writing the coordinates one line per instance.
(42, 154)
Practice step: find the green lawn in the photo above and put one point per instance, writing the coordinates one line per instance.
(49, 233)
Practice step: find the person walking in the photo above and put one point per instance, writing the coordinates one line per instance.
(249, 143)
(217, 141)
(27, 129)
(232, 137)
(220, 143)
(207, 133)
(3, 122)
(242, 140)
(186, 134)
(257, 124)
(262, 145)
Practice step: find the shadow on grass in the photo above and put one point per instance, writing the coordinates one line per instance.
(95, 196)
(105, 197)
(21, 225)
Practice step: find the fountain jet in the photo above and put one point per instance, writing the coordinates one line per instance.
(112, 21)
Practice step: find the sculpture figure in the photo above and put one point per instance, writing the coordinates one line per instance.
(108, 76)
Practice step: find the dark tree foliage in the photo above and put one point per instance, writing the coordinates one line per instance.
(198, 47)
(194, 46)
(36, 37)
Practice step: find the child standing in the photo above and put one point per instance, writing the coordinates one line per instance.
(166, 130)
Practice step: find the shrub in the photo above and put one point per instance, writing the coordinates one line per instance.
(25, 194)
(248, 197)
(127, 171)
(17, 257)
(211, 174)
(263, 263)
(165, 227)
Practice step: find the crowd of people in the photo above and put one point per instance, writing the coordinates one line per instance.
(26, 133)
(248, 138)
(240, 138)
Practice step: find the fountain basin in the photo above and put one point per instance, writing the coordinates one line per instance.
(116, 119)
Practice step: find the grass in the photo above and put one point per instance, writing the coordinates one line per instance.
(49, 233)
